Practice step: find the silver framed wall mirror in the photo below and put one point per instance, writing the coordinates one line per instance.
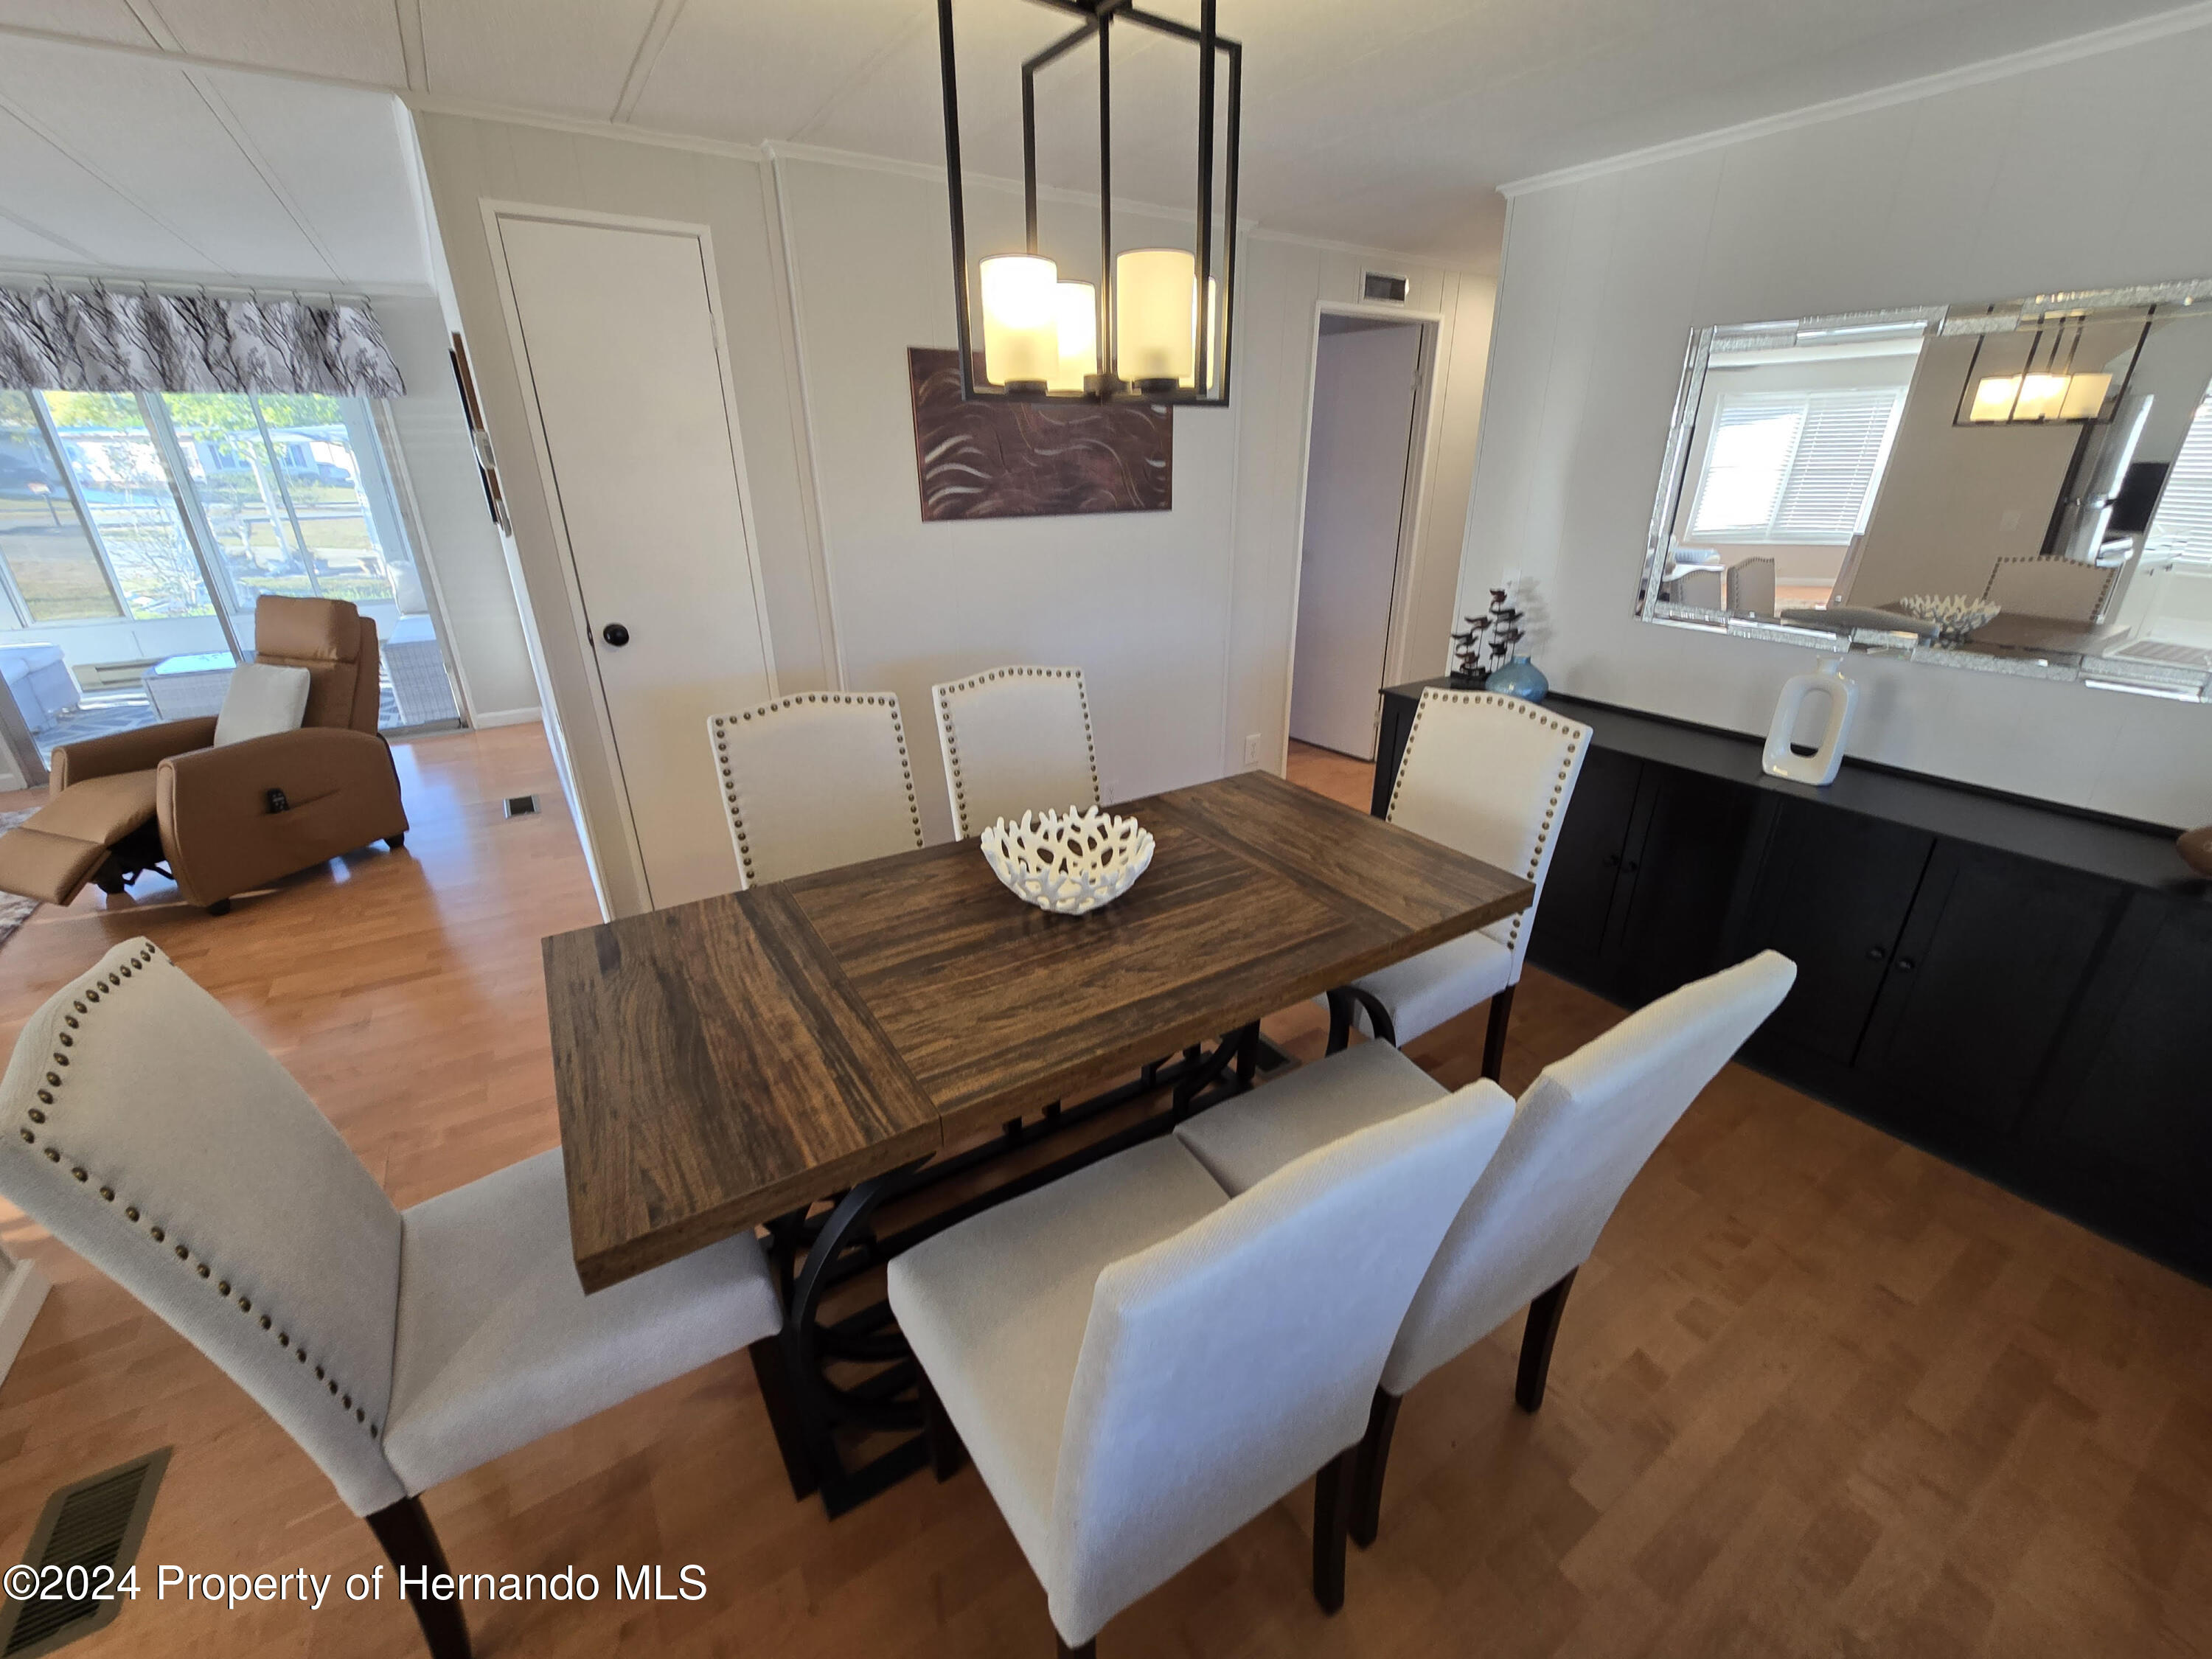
(2021, 487)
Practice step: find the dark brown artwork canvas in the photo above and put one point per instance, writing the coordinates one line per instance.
(1016, 461)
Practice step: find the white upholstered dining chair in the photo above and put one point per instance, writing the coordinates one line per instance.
(1579, 1135)
(149, 1132)
(1490, 777)
(1015, 740)
(816, 779)
(1139, 1364)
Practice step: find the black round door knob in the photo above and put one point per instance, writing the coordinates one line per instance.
(614, 634)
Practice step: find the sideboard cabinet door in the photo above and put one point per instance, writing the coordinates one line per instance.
(1832, 895)
(1570, 933)
(1993, 956)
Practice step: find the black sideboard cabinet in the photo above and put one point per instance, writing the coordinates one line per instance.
(2024, 990)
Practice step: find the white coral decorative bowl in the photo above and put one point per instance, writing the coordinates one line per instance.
(1068, 864)
(1955, 614)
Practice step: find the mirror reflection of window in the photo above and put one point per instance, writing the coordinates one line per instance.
(1793, 435)
(2181, 529)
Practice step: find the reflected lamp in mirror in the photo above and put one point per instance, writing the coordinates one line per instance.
(2044, 465)
(2068, 368)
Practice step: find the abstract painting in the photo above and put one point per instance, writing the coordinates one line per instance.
(1018, 461)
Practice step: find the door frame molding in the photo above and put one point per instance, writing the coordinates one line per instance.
(1412, 503)
(493, 210)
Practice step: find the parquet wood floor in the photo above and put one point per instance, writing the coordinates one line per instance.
(1817, 1393)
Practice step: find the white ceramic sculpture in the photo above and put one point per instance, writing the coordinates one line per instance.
(1957, 615)
(1781, 759)
(1068, 863)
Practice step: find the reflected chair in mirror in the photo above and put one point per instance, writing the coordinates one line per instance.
(1490, 777)
(816, 779)
(1015, 740)
(1139, 1363)
(150, 1133)
(2053, 590)
(1579, 1135)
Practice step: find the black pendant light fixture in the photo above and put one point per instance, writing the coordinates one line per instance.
(1155, 327)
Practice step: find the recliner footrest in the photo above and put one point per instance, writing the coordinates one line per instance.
(67, 839)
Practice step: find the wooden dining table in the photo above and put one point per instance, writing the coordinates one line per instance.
(724, 1065)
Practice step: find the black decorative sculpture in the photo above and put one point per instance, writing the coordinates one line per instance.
(1487, 644)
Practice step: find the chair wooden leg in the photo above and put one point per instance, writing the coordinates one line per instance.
(1332, 1525)
(1536, 1340)
(1494, 1039)
(772, 1370)
(1088, 1650)
(1374, 1458)
(405, 1533)
(946, 1454)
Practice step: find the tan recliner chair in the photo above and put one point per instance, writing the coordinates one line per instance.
(121, 805)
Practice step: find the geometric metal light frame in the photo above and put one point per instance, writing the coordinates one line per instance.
(1096, 19)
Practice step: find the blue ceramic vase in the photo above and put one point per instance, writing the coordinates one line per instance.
(1518, 679)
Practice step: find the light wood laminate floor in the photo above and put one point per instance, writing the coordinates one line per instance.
(1817, 1393)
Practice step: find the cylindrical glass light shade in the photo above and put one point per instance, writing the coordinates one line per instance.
(2085, 397)
(1995, 396)
(1153, 288)
(1076, 314)
(1021, 344)
(2041, 397)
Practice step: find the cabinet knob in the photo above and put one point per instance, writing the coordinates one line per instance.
(1611, 860)
(1876, 953)
(1628, 867)
(614, 634)
(1903, 964)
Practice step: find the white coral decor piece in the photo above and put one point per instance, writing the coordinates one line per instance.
(1071, 864)
(1957, 615)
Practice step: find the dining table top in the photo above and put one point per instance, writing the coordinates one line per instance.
(722, 1062)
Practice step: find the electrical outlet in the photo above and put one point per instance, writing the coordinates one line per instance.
(1251, 749)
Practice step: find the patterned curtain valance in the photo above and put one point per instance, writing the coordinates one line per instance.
(59, 339)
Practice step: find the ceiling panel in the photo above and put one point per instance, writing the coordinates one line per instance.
(20, 242)
(41, 184)
(750, 70)
(143, 125)
(1386, 121)
(564, 57)
(88, 19)
(347, 40)
(339, 158)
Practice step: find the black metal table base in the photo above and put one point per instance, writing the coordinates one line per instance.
(812, 1412)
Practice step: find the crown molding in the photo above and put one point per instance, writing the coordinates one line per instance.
(784, 150)
(580, 126)
(2120, 36)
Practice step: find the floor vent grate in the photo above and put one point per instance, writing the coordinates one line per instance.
(95, 1523)
(516, 805)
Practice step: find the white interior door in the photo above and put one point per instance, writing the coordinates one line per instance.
(1364, 379)
(625, 364)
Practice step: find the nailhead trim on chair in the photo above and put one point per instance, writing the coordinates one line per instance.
(82, 1004)
(1527, 710)
(941, 694)
(729, 784)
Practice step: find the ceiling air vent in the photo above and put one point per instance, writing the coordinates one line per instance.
(1379, 285)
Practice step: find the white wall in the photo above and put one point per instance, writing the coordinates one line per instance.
(469, 160)
(831, 269)
(1972, 192)
(462, 545)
